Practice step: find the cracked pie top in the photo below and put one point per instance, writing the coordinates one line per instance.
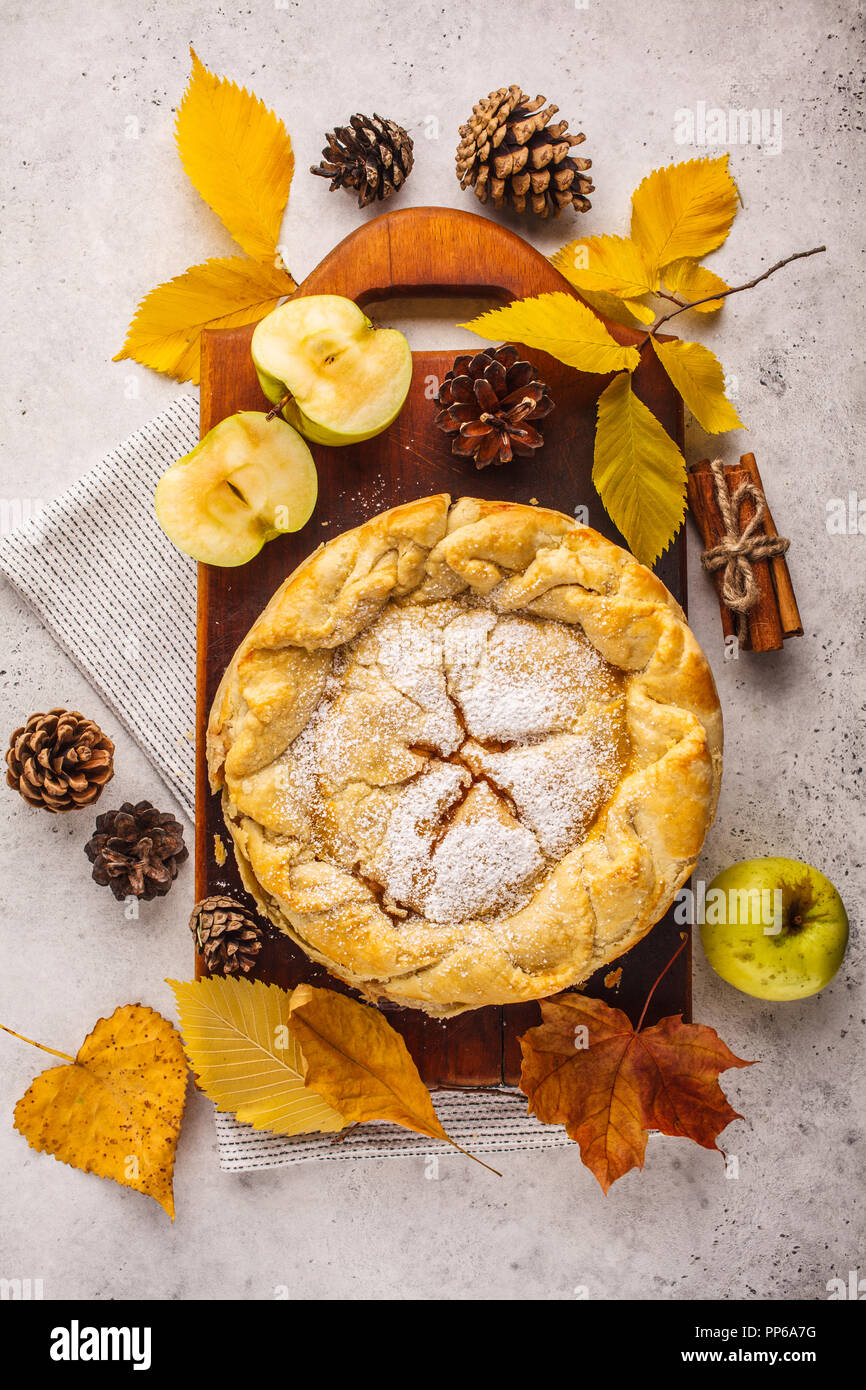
(468, 753)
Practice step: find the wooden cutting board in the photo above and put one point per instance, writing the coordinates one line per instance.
(416, 252)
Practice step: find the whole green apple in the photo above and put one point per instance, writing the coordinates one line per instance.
(774, 928)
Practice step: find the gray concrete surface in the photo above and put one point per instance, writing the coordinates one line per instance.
(96, 211)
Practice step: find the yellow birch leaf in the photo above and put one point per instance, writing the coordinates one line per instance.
(697, 374)
(694, 281)
(360, 1064)
(224, 292)
(116, 1109)
(683, 210)
(238, 156)
(640, 310)
(241, 1046)
(628, 312)
(559, 324)
(614, 264)
(638, 471)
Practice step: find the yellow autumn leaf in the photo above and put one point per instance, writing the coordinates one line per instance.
(224, 292)
(360, 1064)
(242, 1048)
(697, 374)
(559, 324)
(638, 471)
(116, 1108)
(628, 312)
(694, 281)
(238, 155)
(613, 264)
(640, 310)
(683, 210)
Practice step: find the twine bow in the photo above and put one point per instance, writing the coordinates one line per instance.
(737, 550)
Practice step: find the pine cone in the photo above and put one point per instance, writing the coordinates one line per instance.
(511, 153)
(227, 934)
(370, 155)
(136, 851)
(487, 403)
(59, 760)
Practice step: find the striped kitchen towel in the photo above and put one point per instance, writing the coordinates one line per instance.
(116, 594)
(121, 601)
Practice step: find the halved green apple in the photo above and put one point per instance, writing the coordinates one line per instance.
(248, 480)
(340, 379)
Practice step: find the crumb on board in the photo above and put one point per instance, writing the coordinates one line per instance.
(612, 979)
(219, 850)
(190, 735)
(533, 501)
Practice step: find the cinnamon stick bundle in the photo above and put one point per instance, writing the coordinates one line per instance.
(774, 616)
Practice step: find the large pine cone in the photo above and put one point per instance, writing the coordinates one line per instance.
(59, 760)
(227, 934)
(370, 156)
(487, 404)
(511, 154)
(136, 851)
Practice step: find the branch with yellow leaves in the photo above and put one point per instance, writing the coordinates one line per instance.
(723, 294)
(679, 214)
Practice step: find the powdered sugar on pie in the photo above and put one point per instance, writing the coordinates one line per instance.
(455, 754)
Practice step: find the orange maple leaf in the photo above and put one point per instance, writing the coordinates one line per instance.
(586, 1067)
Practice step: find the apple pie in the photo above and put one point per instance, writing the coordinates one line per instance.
(467, 754)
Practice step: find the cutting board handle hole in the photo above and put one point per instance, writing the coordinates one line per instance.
(430, 323)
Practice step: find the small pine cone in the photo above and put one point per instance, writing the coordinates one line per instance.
(136, 851)
(371, 156)
(227, 934)
(59, 760)
(511, 154)
(487, 404)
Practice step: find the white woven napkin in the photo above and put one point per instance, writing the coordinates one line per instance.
(121, 601)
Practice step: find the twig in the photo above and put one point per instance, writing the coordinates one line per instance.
(722, 294)
(276, 409)
(681, 947)
(475, 1159)
(663, 294)
(53, 1050)
(338, 1138)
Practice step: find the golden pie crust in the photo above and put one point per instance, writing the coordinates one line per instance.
(467, 754)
